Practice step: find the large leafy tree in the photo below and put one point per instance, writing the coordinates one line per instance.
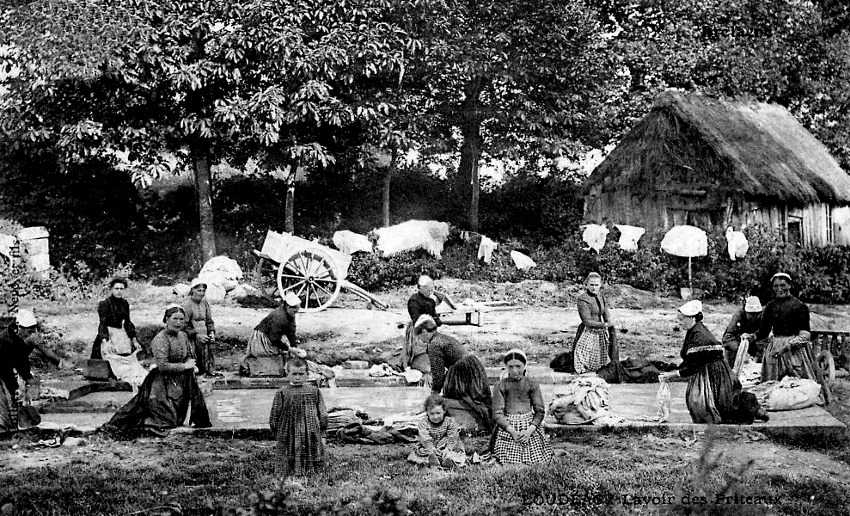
(508, 79)
(785, 51)
(194, 80)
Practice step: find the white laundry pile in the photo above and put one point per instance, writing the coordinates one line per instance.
(594, 236)
(788, 394)
(486, 248)
(430, 235)
(629, 236)
(586, 400)
(350, 242)
(382, 370)
(522, 261)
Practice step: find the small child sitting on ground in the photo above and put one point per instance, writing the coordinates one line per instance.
(298, 420)
(439, 443)
(518, 412)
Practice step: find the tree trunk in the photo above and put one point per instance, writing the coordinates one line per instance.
(203, 187)
(468, 187)
(289, 216)
(388, 177)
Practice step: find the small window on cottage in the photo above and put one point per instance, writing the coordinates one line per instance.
(795, 230)
(830, 229)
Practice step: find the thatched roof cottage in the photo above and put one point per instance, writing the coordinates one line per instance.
(712, 163)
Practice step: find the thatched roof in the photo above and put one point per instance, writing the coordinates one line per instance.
(756, 149)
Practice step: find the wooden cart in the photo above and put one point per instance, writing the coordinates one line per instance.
(313, 272)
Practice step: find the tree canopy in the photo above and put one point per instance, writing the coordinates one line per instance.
(200, 81)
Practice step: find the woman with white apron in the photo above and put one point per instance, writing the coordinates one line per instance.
(116, 337)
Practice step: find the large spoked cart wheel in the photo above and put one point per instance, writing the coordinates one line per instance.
(311, 271)
(312, 275)
(265, 275)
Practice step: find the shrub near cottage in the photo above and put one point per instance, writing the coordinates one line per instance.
(823, 273)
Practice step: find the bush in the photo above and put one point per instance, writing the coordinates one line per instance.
(823, 274)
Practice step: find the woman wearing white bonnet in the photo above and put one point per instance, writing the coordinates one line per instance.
(200, 327)
(745, 323)
(275, 334)
(714, 393)
(17, 341)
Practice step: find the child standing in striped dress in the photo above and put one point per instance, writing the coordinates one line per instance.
(298, 420)
(518, 412)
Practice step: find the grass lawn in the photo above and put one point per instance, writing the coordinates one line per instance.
(595, 473)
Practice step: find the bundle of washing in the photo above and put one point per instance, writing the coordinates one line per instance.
(750, 374)
(340, 417)
(522, 261)
(320, 374)
(382, 370)
(586, 400)
(405, 423)
(363, 433)
(788, 394)
(430, 235)
(350, 242)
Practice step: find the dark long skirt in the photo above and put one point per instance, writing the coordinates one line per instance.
(206, 358)
(467, 382)
(714, 396)
(160, 405)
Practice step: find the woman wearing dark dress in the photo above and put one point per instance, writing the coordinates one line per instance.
(745, 322)
(169, 390)
(414, 352)
(785, 325)
(115, 324)
(458, 374)
(714, 394)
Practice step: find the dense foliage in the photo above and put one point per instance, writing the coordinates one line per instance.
(823, 274)
(115, 226)
(319, 84)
